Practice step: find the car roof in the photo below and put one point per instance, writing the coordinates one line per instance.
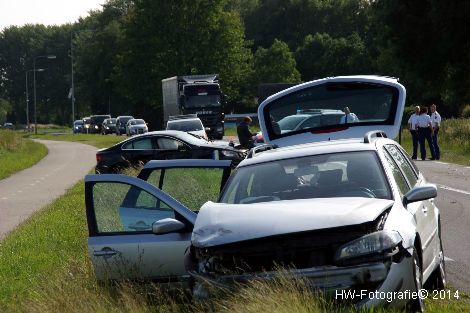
(316, 148)
(183, 120)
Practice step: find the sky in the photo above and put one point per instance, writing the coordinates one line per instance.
(47, 12)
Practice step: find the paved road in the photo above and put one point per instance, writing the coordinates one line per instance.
(453, 200)
(29, 190)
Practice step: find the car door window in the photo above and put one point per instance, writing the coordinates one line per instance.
(403, 164)
(402, 184)
(313, 121)
(168, 144)
(193, 186)
(141, 144)
(122, 208)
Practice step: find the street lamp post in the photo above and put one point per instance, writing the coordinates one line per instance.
(27, 96)
(72, 88)
(50, 56)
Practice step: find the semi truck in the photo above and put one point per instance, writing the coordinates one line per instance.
(195, 94)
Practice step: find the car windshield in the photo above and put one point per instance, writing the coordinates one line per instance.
(98, 119)
(78, 123)
(290, 122)
(112, 121)
(336, 104)
(346, 174)
(185, 126)
(138, 122)
(124, 120)
(86, 120)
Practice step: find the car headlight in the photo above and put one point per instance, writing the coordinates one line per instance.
(106, 127)
(87, 126)
(96, 126)
(374, 243)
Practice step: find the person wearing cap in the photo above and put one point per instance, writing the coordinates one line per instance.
(425, 133)
(245, 137)
(412, 126)
(435, 124)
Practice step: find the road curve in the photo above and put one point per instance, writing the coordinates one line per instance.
(27, 191)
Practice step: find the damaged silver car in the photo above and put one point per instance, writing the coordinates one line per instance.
(338, 203)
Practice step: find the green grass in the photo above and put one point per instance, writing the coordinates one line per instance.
(18, 153)
(453, 139)
(96, 140)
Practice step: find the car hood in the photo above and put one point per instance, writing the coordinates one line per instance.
(221, 223)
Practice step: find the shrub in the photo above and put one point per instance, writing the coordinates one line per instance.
(466, 111)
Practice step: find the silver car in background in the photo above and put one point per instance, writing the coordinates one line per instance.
(136, 126)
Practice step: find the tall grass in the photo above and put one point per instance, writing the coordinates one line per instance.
(18, 153)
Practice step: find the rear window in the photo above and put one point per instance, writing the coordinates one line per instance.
(336, 104)
(348, 174)
(185, 126)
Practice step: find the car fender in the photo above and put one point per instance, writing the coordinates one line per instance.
(402, 221)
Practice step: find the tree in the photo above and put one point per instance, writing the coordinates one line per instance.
(275, 65)
(321, 56)
(168, 38)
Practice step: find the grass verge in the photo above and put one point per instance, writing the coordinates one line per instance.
(18, 153)
(96, 140)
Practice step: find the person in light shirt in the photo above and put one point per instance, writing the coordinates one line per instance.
(435, 124)
(425, 133)
(412, 126)
(348, 117)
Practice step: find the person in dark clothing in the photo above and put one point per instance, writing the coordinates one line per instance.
(244, 134)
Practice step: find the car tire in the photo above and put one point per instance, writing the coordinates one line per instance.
(417, 305)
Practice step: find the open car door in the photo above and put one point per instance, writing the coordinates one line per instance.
(138, 231)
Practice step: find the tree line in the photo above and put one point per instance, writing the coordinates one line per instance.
(123, 51)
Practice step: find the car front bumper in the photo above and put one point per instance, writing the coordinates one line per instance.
(366, 285)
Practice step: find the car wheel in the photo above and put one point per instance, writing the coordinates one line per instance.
(417, 305)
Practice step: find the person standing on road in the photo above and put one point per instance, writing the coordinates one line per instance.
(412, 126)
(435, 124)
(348, 117)
(425, 133)
(245, 137)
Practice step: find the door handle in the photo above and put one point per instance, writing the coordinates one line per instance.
(105, 252)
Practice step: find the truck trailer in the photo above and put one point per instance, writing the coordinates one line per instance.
(195, 94)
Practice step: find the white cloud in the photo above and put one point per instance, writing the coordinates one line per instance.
(48, 12)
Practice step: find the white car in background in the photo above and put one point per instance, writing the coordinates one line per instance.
(187, 123)
(136, 126)
(341, 203)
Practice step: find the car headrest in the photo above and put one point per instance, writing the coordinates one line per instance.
(330, 177)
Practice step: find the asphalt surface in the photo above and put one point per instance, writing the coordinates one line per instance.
(27, 191)
(453, 201)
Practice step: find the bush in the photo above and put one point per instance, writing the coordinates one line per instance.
(466, 111)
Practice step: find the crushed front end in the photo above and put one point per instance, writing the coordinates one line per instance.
(321, 257)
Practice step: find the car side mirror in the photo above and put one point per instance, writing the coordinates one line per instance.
(167, 225)
(207, 129)
(420, 193)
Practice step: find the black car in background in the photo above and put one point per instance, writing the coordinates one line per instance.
(96, 123)
(121, 122)
(109, 126)
(77, 126)
(162, 145)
